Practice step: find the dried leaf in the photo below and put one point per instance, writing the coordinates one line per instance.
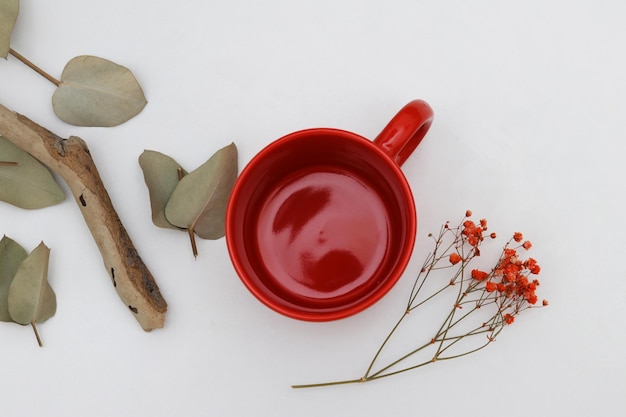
(27, 183)
(9, 9)
(31, 298)
(97, 92)
(198, 202)
(11, 256)
(162, 175)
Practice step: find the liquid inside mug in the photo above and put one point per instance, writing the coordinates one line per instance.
(321, 223)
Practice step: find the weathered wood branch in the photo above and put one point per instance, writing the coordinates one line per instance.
(71, 160)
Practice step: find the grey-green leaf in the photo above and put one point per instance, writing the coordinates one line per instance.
(26, 182)
(162, 175)
(200, 198)
(97, 92)
(31, 298)
(11, 256)
(9, 9)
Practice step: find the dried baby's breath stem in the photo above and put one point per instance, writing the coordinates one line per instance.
(328, 384)
(382, 346)
(501, 293)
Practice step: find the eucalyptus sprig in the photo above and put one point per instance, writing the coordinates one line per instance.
(481, 303)
(92, 91)
(195, 201)
(26, 296)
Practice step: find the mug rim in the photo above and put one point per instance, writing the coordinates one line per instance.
(390, 279)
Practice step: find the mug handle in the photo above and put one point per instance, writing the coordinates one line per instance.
(406, 130)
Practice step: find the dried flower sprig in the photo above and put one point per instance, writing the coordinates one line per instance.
(482, 302)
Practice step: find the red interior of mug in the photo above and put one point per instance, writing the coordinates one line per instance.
(320, 224)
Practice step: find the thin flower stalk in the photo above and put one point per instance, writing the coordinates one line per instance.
(482, 302)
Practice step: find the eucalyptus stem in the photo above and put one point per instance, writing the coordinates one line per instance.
(192, 239)
(34, 326)
(8, 164)
(34, 67)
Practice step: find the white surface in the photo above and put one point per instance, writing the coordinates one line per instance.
(529, 102)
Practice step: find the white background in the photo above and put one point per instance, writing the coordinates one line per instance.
(529, 100)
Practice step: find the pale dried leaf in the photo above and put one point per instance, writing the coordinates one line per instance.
(29, 184)
(11, 256)
(31, 299)
(9, 9)
(162, 175)
(199, 200)
(97, 92)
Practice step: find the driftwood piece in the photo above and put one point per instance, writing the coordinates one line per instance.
(71, 160)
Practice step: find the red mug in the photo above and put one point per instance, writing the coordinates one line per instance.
(321, 223)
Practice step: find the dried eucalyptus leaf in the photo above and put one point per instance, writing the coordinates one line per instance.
(28, 184)
(11, 256)
(97, 92)
(31, 298)
(199, 200)
(162, 175)
(9, 9)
